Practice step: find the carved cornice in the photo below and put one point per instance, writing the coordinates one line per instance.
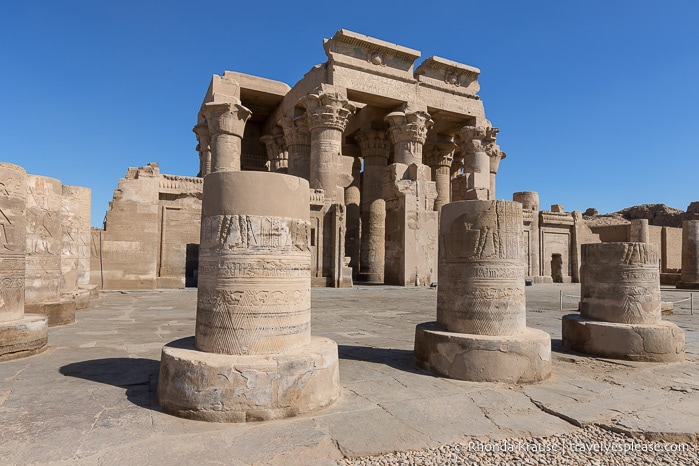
(327, 110)
(409, 126)
(374, 144)
(226, 118)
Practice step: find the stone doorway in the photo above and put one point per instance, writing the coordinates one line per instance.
(191, 266)
(557, 268)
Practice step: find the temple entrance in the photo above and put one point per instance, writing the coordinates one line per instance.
(557, 268)
(191, 266)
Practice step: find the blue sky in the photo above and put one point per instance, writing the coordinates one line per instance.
(596, 101)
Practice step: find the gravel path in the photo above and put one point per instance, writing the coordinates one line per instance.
(589, 446)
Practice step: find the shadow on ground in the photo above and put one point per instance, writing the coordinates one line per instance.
(137, 375)
(395, 358)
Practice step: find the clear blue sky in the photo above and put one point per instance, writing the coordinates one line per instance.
(597, 101)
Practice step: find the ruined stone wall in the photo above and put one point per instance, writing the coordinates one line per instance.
(151, 230)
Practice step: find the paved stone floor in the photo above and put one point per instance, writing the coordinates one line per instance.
(89, 399)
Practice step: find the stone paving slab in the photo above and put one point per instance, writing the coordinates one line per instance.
(90, 397)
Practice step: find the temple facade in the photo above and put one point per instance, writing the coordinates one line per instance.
(383, 143)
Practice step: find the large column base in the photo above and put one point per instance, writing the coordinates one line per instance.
(372, 278)
(232, 388)
(661, 342)
(687, 285)
(24, 337)
(58, 312)
(521, 358)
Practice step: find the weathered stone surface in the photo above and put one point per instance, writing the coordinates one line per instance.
(23, 337)
(75, 231)
(528, 199)
(690, 255)
(657, 342)
(254, 265)
(481, 283)
(620, 283)
(638, 231)
(229, 388)
(44, 242)
(13, 234)
(524, 357)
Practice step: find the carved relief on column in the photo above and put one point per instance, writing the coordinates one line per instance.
(297, 138)
(226, 122)
(376, 148)
(408, 131)
(439, 157)
(327, 111)
(13, 240)
(277, 152)
(204, 149)
(476, 161)
(495, 154)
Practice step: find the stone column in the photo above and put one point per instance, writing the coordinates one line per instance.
(620, 314)
(204, 148)
(298, 144)
(495, 155)
(44, 246)
(476, 162)
(252, 357)
(75, 248)
(226, 123)
(277, 153)
(352, 207)
(327, 111)
(638, 231)
(439, 157)
(530, 201)
(411, 222)
(20, 334)
(689, 277)
(376, 149)
(408, 131)
(481, 332)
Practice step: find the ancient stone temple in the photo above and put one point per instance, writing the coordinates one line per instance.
(253, 356)
(20, 334)
(620, 311)
(481, 333)
(151, 232)
(383, 144)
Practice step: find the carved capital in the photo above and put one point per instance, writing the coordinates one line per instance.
(374, 144)
(202, 132)
(471, 139)
(226, 118)
(493, 149)
(439, 154)
(296, 131)
(409, 126)
(327, 109)
(277, 153)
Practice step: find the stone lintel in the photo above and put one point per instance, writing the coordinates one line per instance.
(448, 75)
(557, 218)
(358, 51)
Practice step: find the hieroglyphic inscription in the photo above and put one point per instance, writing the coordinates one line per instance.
(278, 268)
(255, 232)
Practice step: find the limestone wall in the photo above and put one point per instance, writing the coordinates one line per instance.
(75, 241)
(151, 234)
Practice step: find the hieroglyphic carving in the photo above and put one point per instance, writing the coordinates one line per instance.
(255, 232)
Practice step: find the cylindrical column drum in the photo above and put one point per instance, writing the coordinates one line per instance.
(254, 264)
(690, 253)
(620, 282)
(44, 240)
(13, 234)
(481, 268)
(528, 199)
(639, 231)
